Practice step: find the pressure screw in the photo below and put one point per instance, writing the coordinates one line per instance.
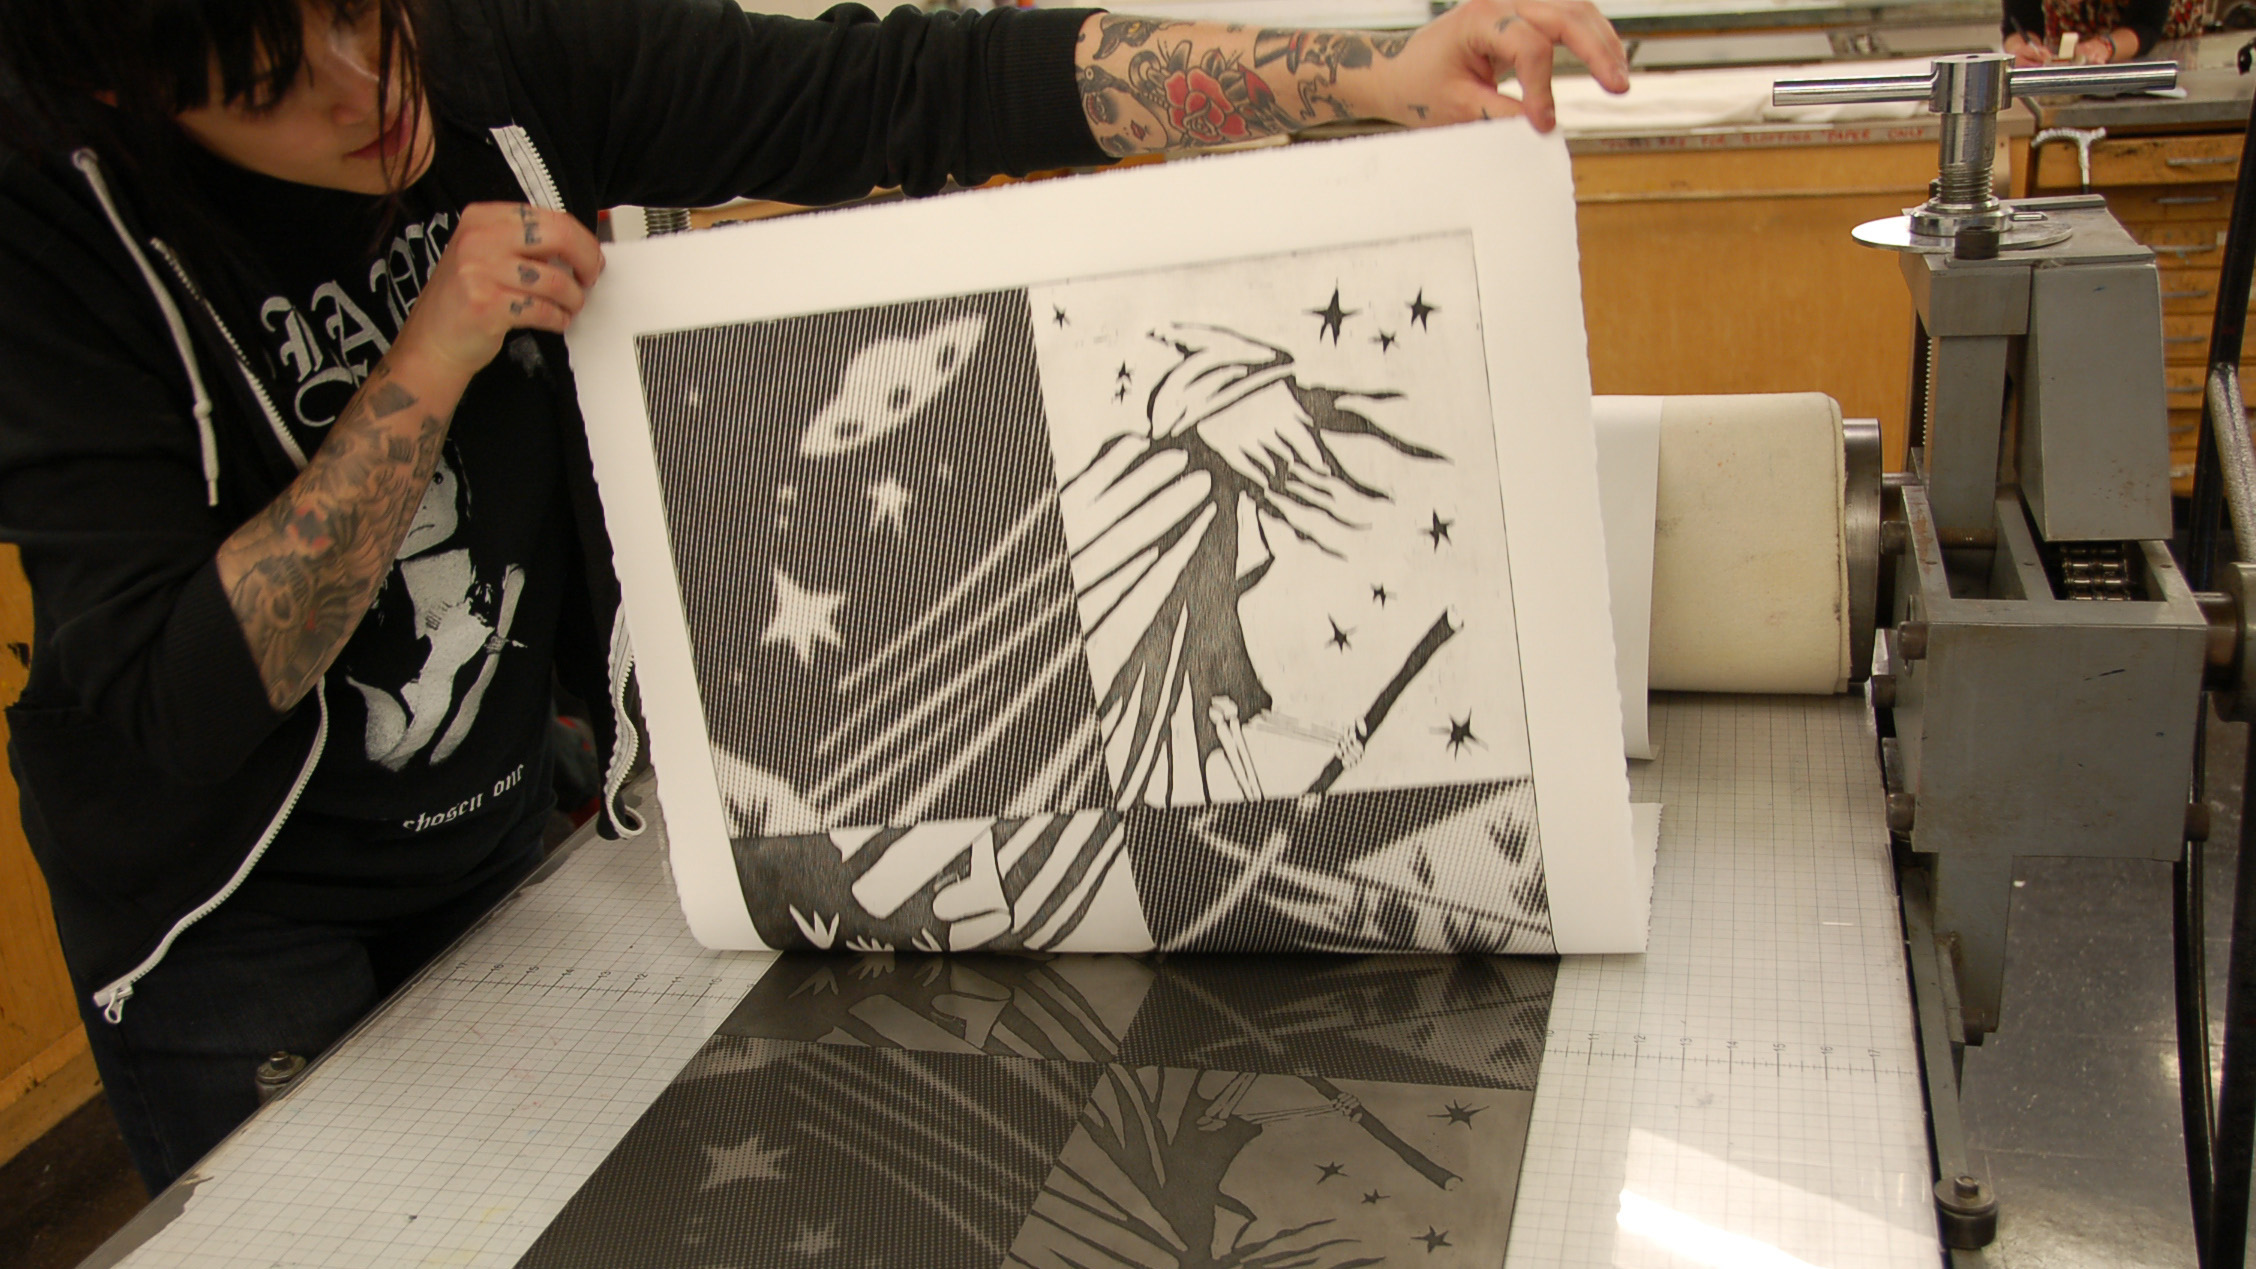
(1911, 640)
(1902, 810)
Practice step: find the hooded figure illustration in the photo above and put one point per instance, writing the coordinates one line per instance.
(464, 621)
(1236, 461)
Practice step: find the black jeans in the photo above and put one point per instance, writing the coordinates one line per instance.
(180, 1066)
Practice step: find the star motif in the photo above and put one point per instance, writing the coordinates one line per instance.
(1124, 376)
(1333, 315)
(814, 1242)
(1420, 310)
(803, 619)
(1438, 530)
(1339, 636)
(1432, 1239)
(1329, 1170)
(1059, 313)
(749, 1160)
(1374, 1196)
(1120, 393)
(1460, 735)
(1385, 342)
(889, 504)
(1380, 595)
(1458, 1113)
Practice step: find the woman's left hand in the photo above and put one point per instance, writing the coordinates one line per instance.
(2111, 46)
(1449, 70)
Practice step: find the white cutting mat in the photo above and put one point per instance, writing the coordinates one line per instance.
(1747, 1093)
(1744, 1094)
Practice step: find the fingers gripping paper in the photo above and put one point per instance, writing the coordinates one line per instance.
(1221, 573)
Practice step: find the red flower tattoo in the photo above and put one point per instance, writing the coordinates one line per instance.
(1198, 105)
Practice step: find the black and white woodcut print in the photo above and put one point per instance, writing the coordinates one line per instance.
(1066, 1112)
(1167, 609)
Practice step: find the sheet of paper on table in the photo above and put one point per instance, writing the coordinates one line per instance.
(1223, 572)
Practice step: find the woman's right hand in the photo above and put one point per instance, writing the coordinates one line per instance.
(2027, 52)
(508, 267)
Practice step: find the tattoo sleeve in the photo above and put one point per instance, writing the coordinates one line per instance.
(1150, 85)
(301, 573)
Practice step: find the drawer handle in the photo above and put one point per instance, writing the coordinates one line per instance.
(2185, 295)
(2188, 200)
(2185, 339)
(2181, 253)
(2210, 160)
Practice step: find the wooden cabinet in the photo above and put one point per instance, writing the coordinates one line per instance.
(1732, 270)
(46, 1071)
(2174, 193)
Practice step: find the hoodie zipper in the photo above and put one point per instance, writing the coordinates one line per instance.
(539, 185)
(530, 169)
(242, 363)
(111, 999)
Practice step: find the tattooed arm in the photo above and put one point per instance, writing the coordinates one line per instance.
(301, 573)
(1151, 85)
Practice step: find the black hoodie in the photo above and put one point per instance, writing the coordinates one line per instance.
(153, 771)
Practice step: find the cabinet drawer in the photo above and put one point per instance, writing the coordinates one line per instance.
(2198, 244)
(2185, 337)
(2183, 385)
(2188, 291)
(2148, 204)
(2194, 159)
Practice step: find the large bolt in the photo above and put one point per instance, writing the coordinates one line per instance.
(1911, 640)
(1902, 810)
(2221, 650)
(275, 1075)
(1966, 1211)
(1883, 691)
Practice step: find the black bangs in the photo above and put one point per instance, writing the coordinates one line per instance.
(153, 59)
(259, 46)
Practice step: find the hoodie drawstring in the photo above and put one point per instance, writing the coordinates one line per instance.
(86, 162)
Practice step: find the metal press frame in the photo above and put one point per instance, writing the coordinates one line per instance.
(2031, 495)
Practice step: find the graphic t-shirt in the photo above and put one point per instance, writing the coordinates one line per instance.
(439, 704)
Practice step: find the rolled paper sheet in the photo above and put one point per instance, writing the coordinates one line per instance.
(1750, 580)
(1629, 444)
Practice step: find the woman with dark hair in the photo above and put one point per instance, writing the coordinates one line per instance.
(2104, 30)
(281, 281)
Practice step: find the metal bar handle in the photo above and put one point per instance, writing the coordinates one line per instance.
(2033, 81)
(2091, 81)
(1841, 91)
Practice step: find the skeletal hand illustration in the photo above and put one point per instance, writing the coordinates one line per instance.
(1242, 399)
(1351, 745)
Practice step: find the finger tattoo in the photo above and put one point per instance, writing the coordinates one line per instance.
(518, 306)
(532, 226)
(527, 275)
